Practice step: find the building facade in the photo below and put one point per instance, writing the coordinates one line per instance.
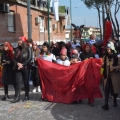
(13, 23)
(87, 31)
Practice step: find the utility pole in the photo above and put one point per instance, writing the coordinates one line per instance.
(29, 20)
(71, 19)
(48, 6)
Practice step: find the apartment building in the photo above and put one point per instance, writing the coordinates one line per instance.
(13, 21)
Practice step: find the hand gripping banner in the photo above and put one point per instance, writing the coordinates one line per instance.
(67, 84)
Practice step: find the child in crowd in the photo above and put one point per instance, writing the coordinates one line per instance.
(74, 56)
(63, 60)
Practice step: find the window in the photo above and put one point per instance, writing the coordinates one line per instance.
(11, 22)
(42, 24)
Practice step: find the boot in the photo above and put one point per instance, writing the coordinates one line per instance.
(5, 97)
(105, 107)
(115, 100)
(17, 98)
(6, 93)
(26, 98)
(91, 102)
(115, 103)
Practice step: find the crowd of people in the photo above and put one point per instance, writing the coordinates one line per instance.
(19, 64)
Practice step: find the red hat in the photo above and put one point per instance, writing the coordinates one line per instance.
(74, 51)
(23, 38)
(63, 51)
(93, 48)
(85, 45)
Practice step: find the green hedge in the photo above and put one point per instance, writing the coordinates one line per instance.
(62, 9)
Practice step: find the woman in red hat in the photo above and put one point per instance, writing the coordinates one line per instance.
(87, 52)
(22, 58)
(7, 63)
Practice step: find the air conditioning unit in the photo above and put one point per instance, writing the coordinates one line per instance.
(42, 29)
(37, 20)
(50, 30)
(4, 8)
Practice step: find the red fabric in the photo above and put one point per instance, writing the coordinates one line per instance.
(68, 84)
(108, 32)
(93, 48)
(85, 45)
(23, 38)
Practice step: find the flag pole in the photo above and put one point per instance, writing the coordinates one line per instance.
(48, 6)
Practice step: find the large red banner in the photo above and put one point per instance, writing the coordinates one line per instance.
(67, 84)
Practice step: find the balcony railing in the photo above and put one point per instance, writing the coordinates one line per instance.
(37, 3)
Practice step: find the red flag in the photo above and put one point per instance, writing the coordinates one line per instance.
(67, 84)
(108, 32)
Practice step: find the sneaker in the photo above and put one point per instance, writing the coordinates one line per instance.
(34, 90)
(39, 90)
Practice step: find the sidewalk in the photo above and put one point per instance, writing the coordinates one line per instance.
(39, 110)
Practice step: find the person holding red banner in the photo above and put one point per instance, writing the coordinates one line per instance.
(111, 75)
(63, 60)
(7, 72)
(48, 56)
(45, 53)
(74, 56)
(86, 54)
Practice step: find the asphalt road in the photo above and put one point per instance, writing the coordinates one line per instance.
(35, 109)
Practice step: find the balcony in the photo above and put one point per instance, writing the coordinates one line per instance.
(2, 1)
(36, 4)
